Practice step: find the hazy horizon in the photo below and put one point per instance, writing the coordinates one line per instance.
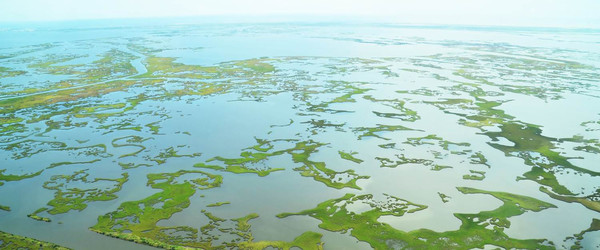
(532, 13)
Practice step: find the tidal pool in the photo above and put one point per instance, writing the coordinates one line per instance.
(307, 135)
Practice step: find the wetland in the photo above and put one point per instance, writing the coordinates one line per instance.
(298, 135)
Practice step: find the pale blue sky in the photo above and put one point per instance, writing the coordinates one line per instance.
(553, 13)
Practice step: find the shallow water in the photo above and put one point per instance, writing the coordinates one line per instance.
(421, 110)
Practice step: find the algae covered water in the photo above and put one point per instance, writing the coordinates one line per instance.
(131, 135)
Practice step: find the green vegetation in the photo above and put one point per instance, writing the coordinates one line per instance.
(475, 231)
(338, 87)
(165, 67)
(401, 160)
(284, 125)
(528, 138)
(130, 141)
(153, 127)
(108, 98)
(545, 178)
(57, 164)
(372, 131)
(479, 158)
(112, 64)
(137, 220)
(218, 204)
(35, 215)
(308, 240)
(545, 65)
(11, 241)
(68, 198)
(27, 50)
(405, 115)
(248, 162)
(445, 198)
(475, 175)
(350, 156)
(594, 226)
(10, 126)
(417, 141)
(387, 145)
(257, 65)
(591, 201)
(6, 72)
(29, 148)
(444, 144)
(318, 170)
(322, 125)
(439, 167)
(300, 153)
(98, 78)
(131, 165)
(10, 177)
(167, 153)
(528, 142)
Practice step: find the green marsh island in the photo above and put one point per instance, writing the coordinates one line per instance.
(298, 136)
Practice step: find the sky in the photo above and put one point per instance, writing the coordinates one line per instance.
(532, 13)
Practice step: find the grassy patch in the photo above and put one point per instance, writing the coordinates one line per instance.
(73, 192)
(375, 131)
(11, 177)
(11, 241)
(218, 204)
(476, 231)
(350, 156)
(475, 175)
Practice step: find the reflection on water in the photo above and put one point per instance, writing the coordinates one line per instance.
(306, 135)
